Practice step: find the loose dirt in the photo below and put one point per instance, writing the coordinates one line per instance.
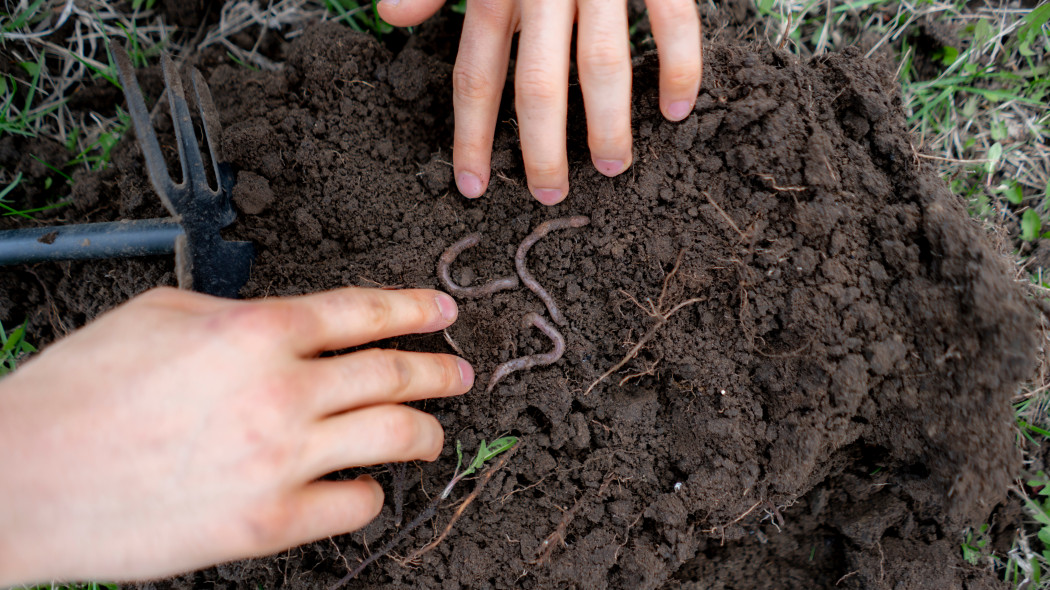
(831, 411)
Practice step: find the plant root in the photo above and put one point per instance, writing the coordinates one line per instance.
(424, 516)
(558, 536)
(655, 311)
(519, 259)
(726, 217)
(527, 362)
(450, 255)
(723, 527)
(482, 482)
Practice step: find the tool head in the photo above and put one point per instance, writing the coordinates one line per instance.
(204, 261)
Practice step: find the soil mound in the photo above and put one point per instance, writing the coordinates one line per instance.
(841, 315)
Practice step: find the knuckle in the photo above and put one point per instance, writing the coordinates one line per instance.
(674, 13)
(375, 308)
(470, 83)
(256, 321)
(267, 526)
(492, 11)
(603, 59)
(402, 432)
(447, 375)
(544, 170)
(681, 76)
(609, 138)
(394, 371)
(532, 84)
(278, 399)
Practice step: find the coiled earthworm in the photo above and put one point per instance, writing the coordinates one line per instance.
(449, 255)
(519, 259)
(528, 362)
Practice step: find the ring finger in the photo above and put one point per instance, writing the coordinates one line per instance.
(385, 433)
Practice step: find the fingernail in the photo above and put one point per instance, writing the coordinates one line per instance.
(609, 167)
(447, 307)
(469, 183)
(548, 196)
(679, 110)
(466, 373)
(390, 2)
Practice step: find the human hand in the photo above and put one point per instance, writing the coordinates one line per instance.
(541, 80)
(182, 430)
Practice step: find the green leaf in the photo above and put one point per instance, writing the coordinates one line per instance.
(1033, 22)
(765, 6)
(946, 55)
(487, 452)
(994, 153)
(1044, 536)
(31, 68)
(1030, 225)
(1037, 512)
(1015, 193)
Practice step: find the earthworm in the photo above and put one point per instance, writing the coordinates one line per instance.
(528, 362)
(448, 256)
(519, 259)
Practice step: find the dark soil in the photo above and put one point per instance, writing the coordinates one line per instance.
(831, 412)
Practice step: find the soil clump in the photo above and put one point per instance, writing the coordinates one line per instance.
(830, 411)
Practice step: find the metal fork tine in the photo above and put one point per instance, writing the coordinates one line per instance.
(190, 159)
(212, 128)
(157, 169)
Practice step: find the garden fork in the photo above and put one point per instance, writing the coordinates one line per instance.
(204, 261)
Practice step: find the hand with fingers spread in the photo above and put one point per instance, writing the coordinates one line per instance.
(542, 75)
(181, 430)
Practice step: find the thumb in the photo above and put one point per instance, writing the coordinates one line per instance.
(407, 13)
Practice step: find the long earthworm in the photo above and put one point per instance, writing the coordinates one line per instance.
(449, 255)
(528, 362)
(519, 259)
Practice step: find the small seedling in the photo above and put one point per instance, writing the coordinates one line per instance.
(974, 545)
(485, 453)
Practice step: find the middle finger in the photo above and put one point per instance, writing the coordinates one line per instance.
(604, 58)
(541, 88)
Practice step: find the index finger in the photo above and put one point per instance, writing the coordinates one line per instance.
(355, 316)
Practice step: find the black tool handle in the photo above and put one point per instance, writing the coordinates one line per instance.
(117, 239)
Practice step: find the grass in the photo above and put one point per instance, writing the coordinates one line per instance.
(85, 586)
(60, 46)
(13, 348)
